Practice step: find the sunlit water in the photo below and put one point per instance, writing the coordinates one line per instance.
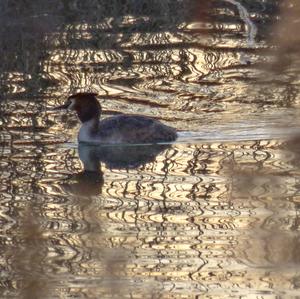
(212, 215)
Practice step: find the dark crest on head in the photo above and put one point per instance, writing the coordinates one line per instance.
(83, 95)
(86, 105)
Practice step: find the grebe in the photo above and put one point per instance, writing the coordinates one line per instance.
(123, 128)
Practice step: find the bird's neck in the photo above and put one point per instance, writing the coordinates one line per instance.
(88, 129)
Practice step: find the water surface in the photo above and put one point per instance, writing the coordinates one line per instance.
(213, 215)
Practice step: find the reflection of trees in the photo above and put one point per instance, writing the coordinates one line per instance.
(126, 51)
(29, 31)
(78, 33)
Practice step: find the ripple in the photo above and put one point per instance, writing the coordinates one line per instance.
(205, 216)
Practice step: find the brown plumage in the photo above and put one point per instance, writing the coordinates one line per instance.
(124, 128)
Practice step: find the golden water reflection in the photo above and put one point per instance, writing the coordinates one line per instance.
(207, 219)
(214, 215)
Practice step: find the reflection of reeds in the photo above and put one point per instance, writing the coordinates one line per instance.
(280, 74)
(267, 192)
(28, 256)
(286, 37)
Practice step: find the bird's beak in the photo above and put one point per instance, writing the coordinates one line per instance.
(64, 106)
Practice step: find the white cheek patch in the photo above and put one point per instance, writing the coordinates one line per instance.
(72, 105)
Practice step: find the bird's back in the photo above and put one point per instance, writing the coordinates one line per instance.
(126, 128)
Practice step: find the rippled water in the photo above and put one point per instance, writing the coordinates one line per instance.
(213, 215)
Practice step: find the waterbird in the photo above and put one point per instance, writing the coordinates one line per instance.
(123, 128)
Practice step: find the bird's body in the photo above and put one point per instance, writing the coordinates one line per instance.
(126, 129)
(123, 128)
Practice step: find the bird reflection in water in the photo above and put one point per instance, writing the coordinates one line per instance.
(84, 190)
(125, 156)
